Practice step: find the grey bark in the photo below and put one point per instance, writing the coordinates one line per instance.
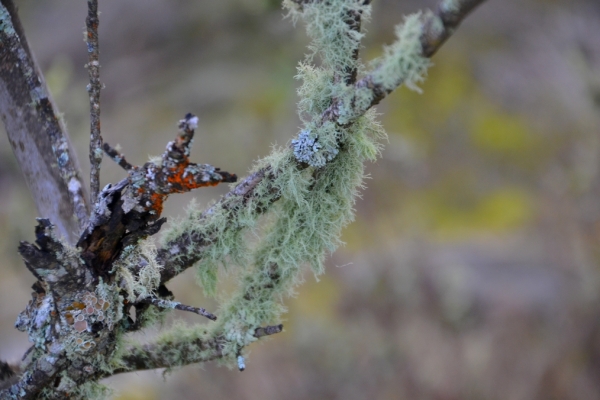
(37, 135)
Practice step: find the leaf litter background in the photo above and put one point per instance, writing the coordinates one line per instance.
(472, 270)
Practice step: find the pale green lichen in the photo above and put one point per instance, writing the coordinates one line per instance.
(92, 391)
(328, 25)
(227, 244)
(138, 271)
(314, 202)
(307, 225)
(403, 61)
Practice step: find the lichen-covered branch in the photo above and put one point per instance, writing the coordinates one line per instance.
(37, 134)
(94, 87)
(82, 296)
(311, 186)
(253, 195)
(40, 374)
(182, 346)
(78, 316)
(248, 197)
(433, 29)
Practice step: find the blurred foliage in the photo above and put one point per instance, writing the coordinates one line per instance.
(471, 271)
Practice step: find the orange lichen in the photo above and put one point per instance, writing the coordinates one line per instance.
(76, 306)
(157, 201)
(183, 181)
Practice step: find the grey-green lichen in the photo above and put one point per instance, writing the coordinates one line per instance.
(138, 271)
(227, 242)
(403, 61)
(328, 24)
(89, 390)
(316, 181)
(6, 25)
(307, 225)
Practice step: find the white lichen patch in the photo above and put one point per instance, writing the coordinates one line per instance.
(74, 186)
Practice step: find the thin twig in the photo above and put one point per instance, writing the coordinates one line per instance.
(117, 157)
(161, 303)
(93, 67)
(354, 22)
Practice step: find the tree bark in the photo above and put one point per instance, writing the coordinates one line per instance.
(38, 137)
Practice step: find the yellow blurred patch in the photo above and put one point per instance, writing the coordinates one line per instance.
(462, 215)
(59, 75)
(501, 133)
(316, 300)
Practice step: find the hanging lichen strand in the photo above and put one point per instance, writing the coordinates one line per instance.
(315, 182)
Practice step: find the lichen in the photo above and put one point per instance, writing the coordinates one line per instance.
(403, 61)
(327, 24)
(314, 204)
(6, 26)
(138, 272)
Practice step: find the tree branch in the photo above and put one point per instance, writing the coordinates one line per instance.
(93, 67)
(176, 256)
(451, 13)
(436, 29)
(168, 351)
(268, 330)
(36, 133)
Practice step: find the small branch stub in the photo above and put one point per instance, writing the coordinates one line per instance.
(241, 363)
(268, 330)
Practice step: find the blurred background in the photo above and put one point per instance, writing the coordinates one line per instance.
(472, 270)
